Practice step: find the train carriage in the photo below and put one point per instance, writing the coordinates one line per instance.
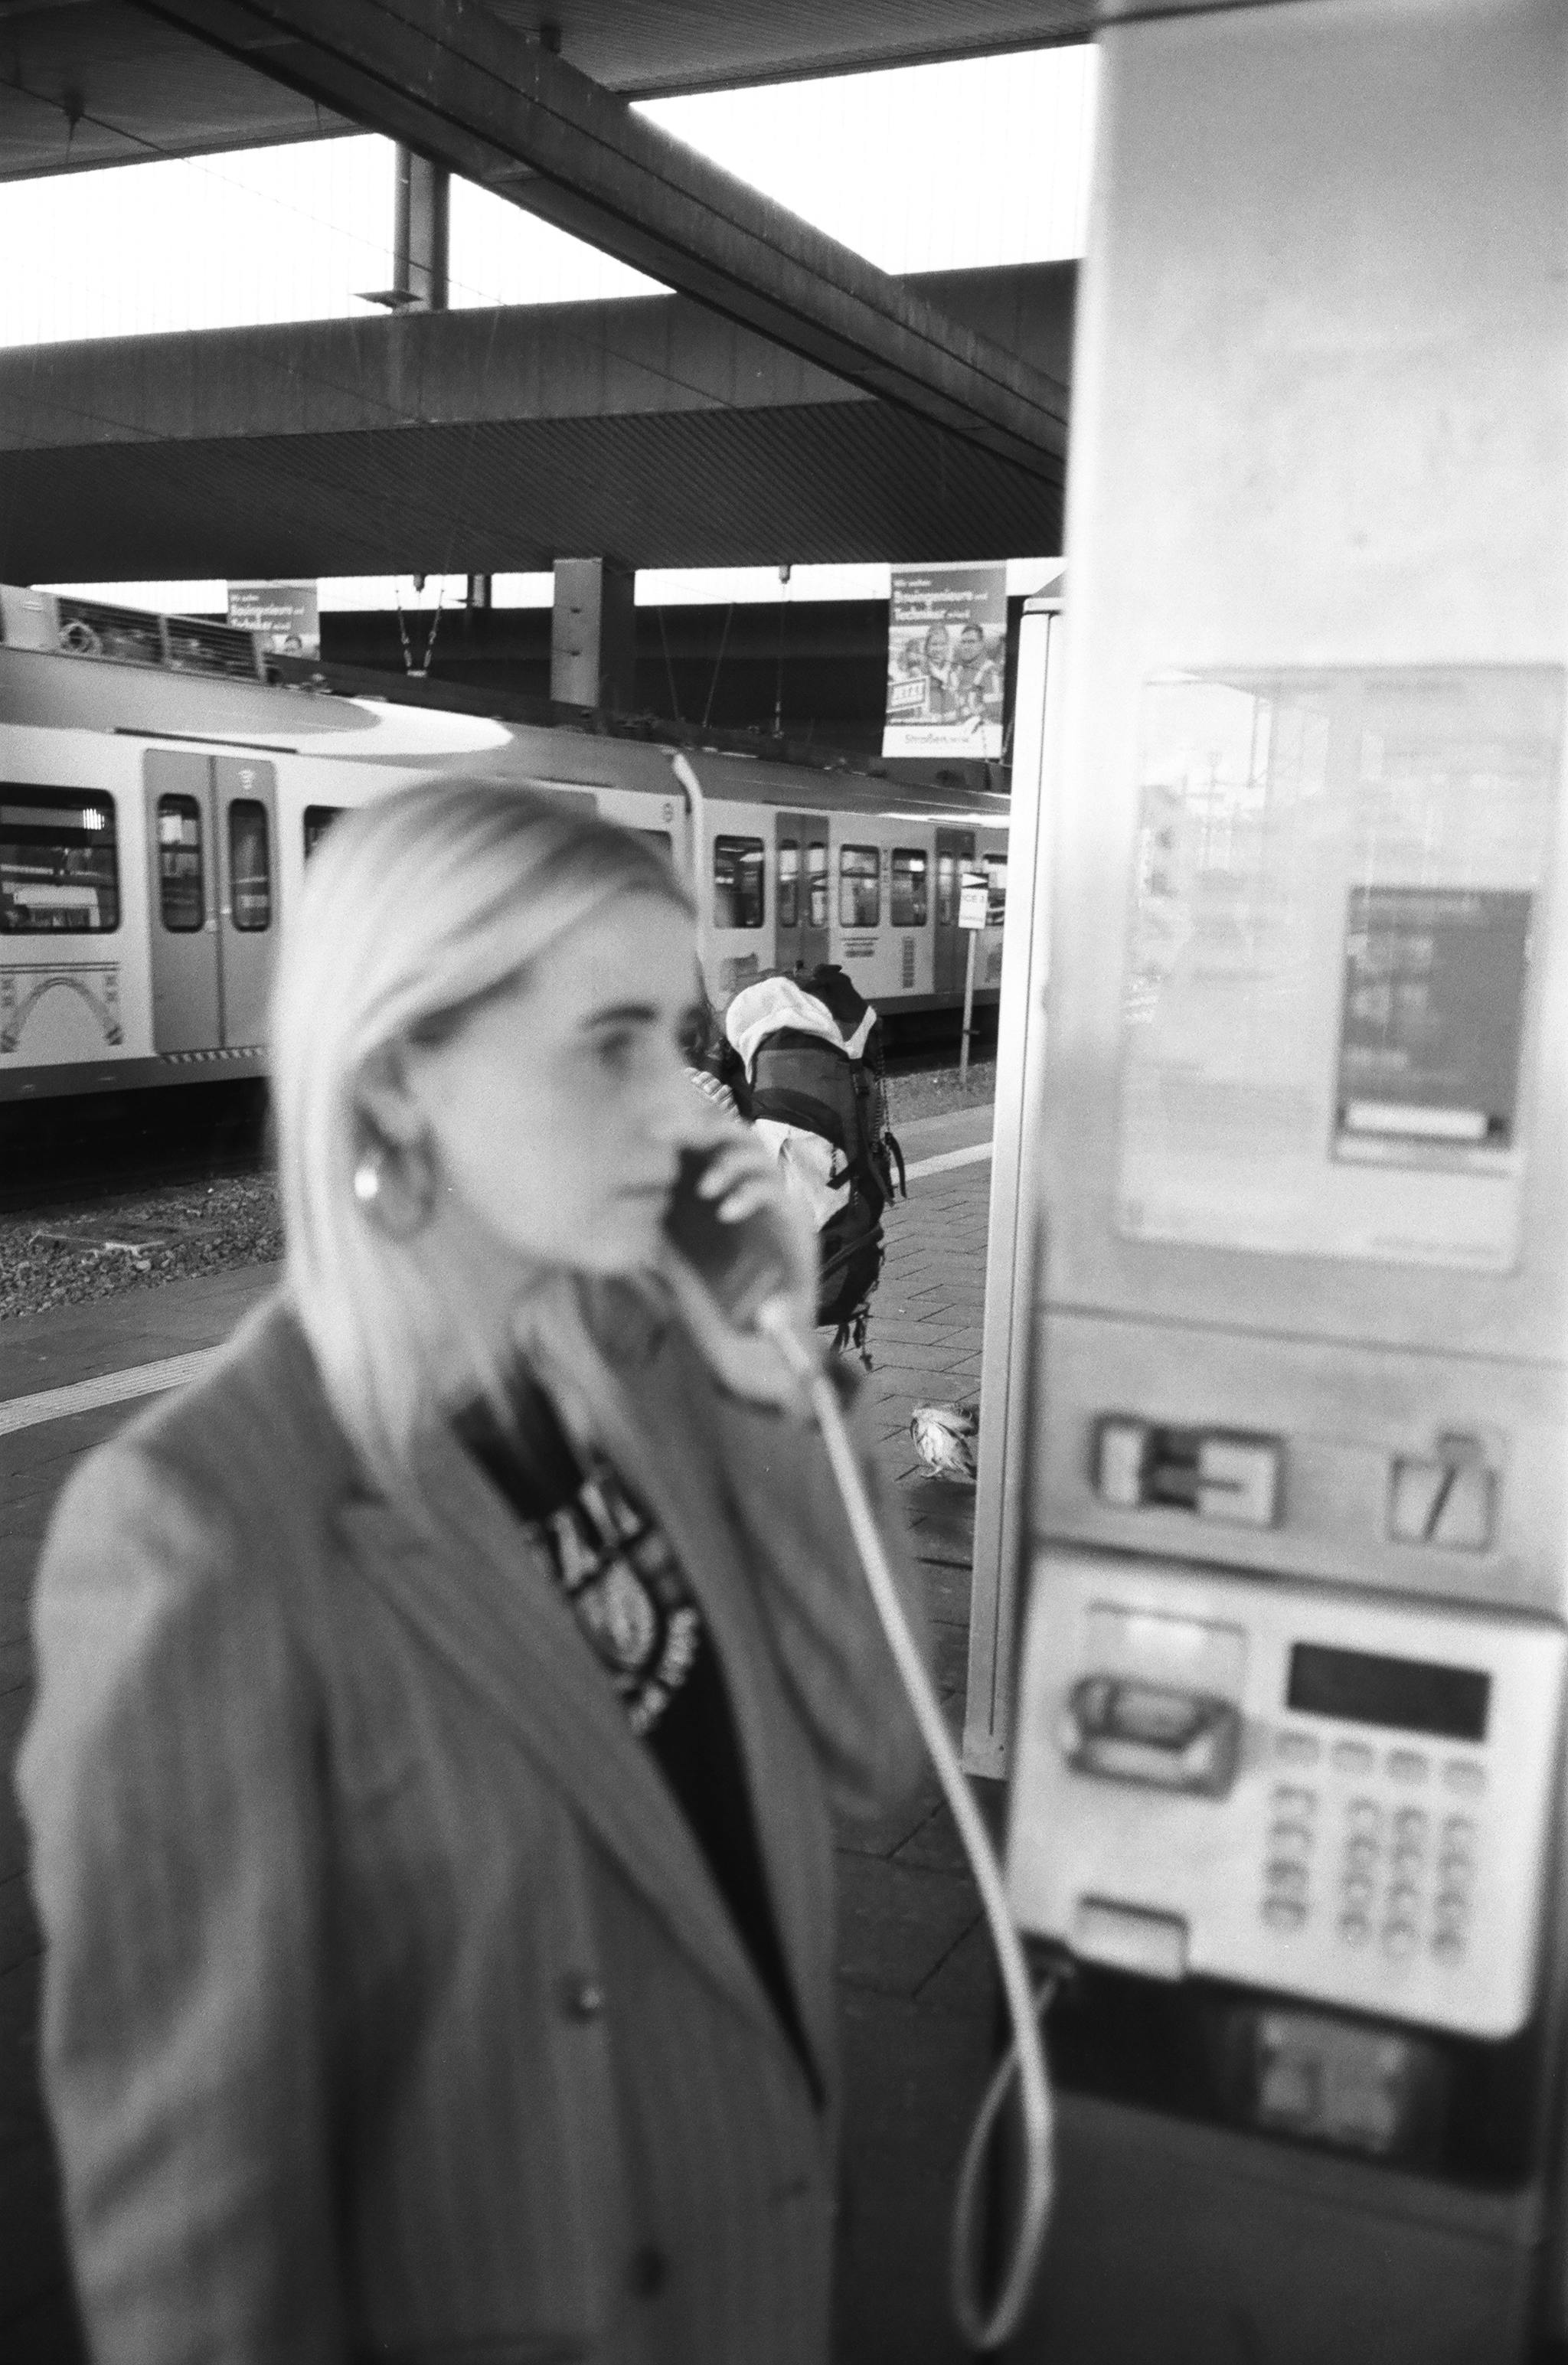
(159, 800)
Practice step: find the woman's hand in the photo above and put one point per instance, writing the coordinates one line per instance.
(742, 1179)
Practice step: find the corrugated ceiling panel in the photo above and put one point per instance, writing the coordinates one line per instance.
(822, 482)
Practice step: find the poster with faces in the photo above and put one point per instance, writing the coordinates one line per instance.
(947, 661)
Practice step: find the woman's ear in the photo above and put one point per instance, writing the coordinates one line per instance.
(386, 1097)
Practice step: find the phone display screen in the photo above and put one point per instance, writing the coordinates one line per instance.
(1411, 1695)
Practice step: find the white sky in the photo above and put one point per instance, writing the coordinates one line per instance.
(657, 587)
(919, 168)
(923, 168)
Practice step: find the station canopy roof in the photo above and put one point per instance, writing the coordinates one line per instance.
(474, 441)
(821, 409)
(89, 83)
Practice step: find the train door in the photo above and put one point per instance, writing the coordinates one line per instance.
(738, 949)
(955, 852)
(187, 1011)
(801, 840)
(246, 802)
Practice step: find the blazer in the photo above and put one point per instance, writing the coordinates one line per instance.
(390, 2009)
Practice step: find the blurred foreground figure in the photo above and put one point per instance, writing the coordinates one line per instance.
(442, 1703)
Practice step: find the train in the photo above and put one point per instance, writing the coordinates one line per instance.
(160, 796)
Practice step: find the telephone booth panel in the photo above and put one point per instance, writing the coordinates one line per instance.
(1271, 1598)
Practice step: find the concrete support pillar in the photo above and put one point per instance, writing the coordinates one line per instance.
(419, 235)
(593, 636)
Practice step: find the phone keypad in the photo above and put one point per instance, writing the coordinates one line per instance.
(1396, 1877)
(1287, 1873)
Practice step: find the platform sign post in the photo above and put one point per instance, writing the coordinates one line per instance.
(974, 895)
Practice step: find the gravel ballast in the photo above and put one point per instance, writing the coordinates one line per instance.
(136, 1243)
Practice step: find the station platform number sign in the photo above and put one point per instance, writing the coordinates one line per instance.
(974, 896)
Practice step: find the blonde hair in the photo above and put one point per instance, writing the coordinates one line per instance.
(415, 905)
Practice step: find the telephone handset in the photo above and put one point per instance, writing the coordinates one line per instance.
(745, 1266)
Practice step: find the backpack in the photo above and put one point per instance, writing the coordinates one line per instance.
(839, 1092)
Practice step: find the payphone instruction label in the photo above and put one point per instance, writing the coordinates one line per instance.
(1328, 980)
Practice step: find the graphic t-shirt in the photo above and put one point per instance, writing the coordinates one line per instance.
(618, 1572)
(627, 1590)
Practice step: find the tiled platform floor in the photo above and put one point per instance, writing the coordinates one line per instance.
(916, 1979)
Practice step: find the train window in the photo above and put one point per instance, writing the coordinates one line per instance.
(250, 866)
(816, 883)
(996, 885)
(907, 904)
(59, 861)
(182, 898)
(788, 882)
(739, 890)
(319, 820)
(860, 887)
(947, 890)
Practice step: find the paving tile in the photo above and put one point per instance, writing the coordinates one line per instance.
(895, 1829)
(915, 2081)
(13, 1832)
(138, 1326)
(19, 1936)
(950, 1657)
(14, 1701)
(942, 1512)
(939, 1355)
(24, 2130)
(936, 1547)
(18, 2004)
(36, 2267)
(891, 1329)
(965, 1985)
(19, 1558)
(47, 2332)
(929, 1136)
(933, 1843)
(896, 1922)
(948, 1585)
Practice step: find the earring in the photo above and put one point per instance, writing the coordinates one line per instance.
(397, 1190)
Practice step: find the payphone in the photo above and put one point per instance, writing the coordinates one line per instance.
(1272, 1558)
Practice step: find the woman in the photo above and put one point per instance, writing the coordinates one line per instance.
(442, 1703)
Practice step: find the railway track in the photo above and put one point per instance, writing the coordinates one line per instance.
(71, 1155)
(71, 1158)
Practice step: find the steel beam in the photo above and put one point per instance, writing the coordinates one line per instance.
(451, 80)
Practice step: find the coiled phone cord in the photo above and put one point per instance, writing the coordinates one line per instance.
(1025, 2056)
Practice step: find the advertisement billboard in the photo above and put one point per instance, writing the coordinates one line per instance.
(946, 661)
(286, 614)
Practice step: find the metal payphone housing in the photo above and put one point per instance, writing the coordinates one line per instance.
(1274, 1506)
